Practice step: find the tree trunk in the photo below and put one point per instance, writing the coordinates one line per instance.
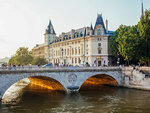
(128, 62)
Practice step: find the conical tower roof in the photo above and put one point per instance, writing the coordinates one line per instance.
(99, 21)
(50, 29)
(91, 27)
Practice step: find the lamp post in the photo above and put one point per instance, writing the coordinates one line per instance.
(62, 54)
(118, 60)
(70, 53)
(52, 56)
(84, 46)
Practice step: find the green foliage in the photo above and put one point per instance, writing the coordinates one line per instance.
(39, 61)
(114, 40)
(22, 57)
(127, 43)
(144, 41)
(114, 45)
(133, 42)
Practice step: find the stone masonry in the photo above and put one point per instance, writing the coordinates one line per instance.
(69, 77)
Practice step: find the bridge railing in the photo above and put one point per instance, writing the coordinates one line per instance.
(51, 68)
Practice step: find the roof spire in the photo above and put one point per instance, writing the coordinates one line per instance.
(99, 21)
(142, 8)
(50, 29)
(91, 28)
(84, 32)
(49, 22)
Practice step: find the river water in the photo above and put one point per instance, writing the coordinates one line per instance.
(36, 99)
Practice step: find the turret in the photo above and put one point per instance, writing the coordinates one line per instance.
(99, 26)
(49, 34)
(91, 29)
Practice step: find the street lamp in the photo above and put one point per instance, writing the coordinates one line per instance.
(52, 56)
(62, 54)
(84, 46)
(118, 60)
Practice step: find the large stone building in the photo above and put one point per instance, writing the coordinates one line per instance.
(39, 51)
(86, 45)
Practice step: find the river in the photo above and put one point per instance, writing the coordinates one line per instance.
(36, 99)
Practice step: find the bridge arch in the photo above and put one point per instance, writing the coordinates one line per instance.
(94, 80)
(11, 80)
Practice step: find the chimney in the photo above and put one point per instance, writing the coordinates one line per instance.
(106, 25)
(72, 32)
(63, 34)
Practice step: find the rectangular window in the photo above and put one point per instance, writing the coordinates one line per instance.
(99, 39)
(72, 51)
(75, 60)
(75, 51)
(99, 51)
(79, 60)
(99, 44)
(79, 51)
(67, 51)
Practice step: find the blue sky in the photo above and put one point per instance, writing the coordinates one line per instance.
(23, 22)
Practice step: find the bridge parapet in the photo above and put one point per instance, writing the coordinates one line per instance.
(65, 69)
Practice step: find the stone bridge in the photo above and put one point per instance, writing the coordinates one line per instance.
(73, 78)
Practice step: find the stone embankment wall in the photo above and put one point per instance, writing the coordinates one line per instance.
(145, 69)
(137, 79)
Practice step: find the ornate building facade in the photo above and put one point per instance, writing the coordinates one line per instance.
(86, 45)
(39, 51)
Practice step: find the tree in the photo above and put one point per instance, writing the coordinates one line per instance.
(39, 61)
(22, 57)
(12, 60)
(114, 44)
(124, 43)
(133, 42)
(144, 41)
(113, 40)
(127, 43)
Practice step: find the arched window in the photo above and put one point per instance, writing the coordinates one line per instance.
(98, 32)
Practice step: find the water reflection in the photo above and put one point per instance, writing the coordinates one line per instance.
(36, 99)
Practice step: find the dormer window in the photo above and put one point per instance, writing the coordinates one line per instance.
(81, 34)
(77, 35)
(98, 32)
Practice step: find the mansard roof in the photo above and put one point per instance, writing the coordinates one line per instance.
(99, 21)
(77, 31)
(82, 32)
